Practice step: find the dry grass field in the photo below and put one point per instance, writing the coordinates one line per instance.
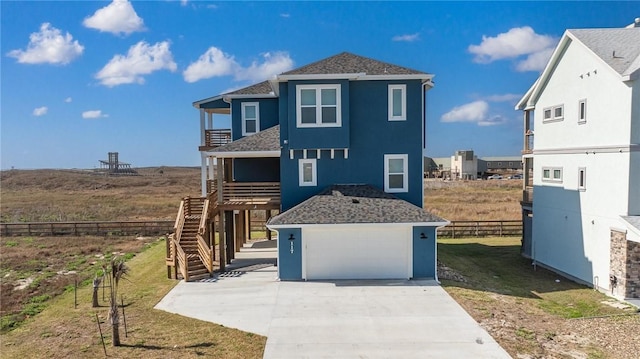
(527, 312)
(485, 200)
(59, 195)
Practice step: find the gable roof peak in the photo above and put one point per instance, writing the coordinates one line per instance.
(349, 63)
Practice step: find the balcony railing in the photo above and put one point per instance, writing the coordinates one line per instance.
(216, 138)
(528, 143)
(246, 193)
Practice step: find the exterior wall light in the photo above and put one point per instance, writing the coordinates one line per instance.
(423, 236)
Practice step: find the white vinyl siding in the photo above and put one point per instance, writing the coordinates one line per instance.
(396, 177)
(318, 106)
(250, 118)
(397, 102)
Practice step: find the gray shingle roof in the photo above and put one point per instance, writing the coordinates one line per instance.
(261, 88)
(339, 204)
(348, 63)
(633, 220)
(266, 140)
(625, 43)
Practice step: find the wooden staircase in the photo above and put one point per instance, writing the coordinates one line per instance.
(189, 251)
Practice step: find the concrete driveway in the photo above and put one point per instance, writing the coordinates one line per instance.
(334, 319)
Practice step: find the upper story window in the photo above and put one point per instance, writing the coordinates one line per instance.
(552, 174)
(397, 102)
(555, 113)
(250, 118)
(307, 172)
(396, 170)
(582, 179)
(318, 106)
(582, 111)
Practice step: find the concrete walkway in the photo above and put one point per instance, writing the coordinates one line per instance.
(334, 319)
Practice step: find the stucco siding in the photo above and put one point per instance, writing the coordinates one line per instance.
(578, 76)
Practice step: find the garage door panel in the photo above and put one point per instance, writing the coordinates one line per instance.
(372, 253)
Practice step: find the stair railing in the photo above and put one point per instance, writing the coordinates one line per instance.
(205, 253)
(183, 262)
(180, 221)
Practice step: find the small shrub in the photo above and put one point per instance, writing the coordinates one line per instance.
(10, 243)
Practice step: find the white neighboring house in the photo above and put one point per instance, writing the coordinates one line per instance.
(581, 198)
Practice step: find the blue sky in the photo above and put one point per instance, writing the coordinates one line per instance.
(83, 78)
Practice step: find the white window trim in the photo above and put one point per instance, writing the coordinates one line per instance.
(582, 102)
(244, 123)
(403, 115)
(551, 174)
(318, 89)
(405, 173)
(314, 172)
(582, 170)
(553, 117)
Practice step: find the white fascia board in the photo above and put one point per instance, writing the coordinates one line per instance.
(350, 76)
(197, 104)
(243, 96)
(244, 154)
(320, 226)
(523, 103)
(423, 77)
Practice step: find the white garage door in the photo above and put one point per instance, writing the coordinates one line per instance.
(357, 252)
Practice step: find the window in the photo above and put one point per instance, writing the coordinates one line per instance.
(318, 106)
(307, 173)
(555, 113)
(250, 118)
(552, 174)
(397, 102)
(582, 179)
(396, 177)
(582, 111)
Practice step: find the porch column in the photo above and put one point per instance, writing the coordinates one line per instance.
(245, 224)
(267, 217)
(202, 128)
(221, 240)
(229, 237)
(203, 174)
(240, 233)
(210, 121)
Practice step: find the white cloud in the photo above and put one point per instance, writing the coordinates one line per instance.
(285, 15)
(517, 42)
(492, 121)
(48, 46)
(503, 98)
(215, 63)
(40, 111)
(119, 17)
(273, 64)
(142, 59)
(407, 37)
(68, 99)
(92, 114)
(184, 2)
(472, 112)
(536, 61)
(212, 6)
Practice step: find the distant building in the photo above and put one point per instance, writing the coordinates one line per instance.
(113, 166)
(466, 165)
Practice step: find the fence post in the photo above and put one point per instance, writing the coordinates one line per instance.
(500, 228)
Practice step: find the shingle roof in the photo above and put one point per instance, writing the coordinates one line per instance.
(266, 140)
(261, 88)
(340, 204)
(348, 63)
(619, 48)
(633, 220)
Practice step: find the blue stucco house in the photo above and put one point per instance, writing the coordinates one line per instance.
(335, 148)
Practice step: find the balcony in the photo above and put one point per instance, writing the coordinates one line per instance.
(245, 195)
(528, 143)
(215, 138)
